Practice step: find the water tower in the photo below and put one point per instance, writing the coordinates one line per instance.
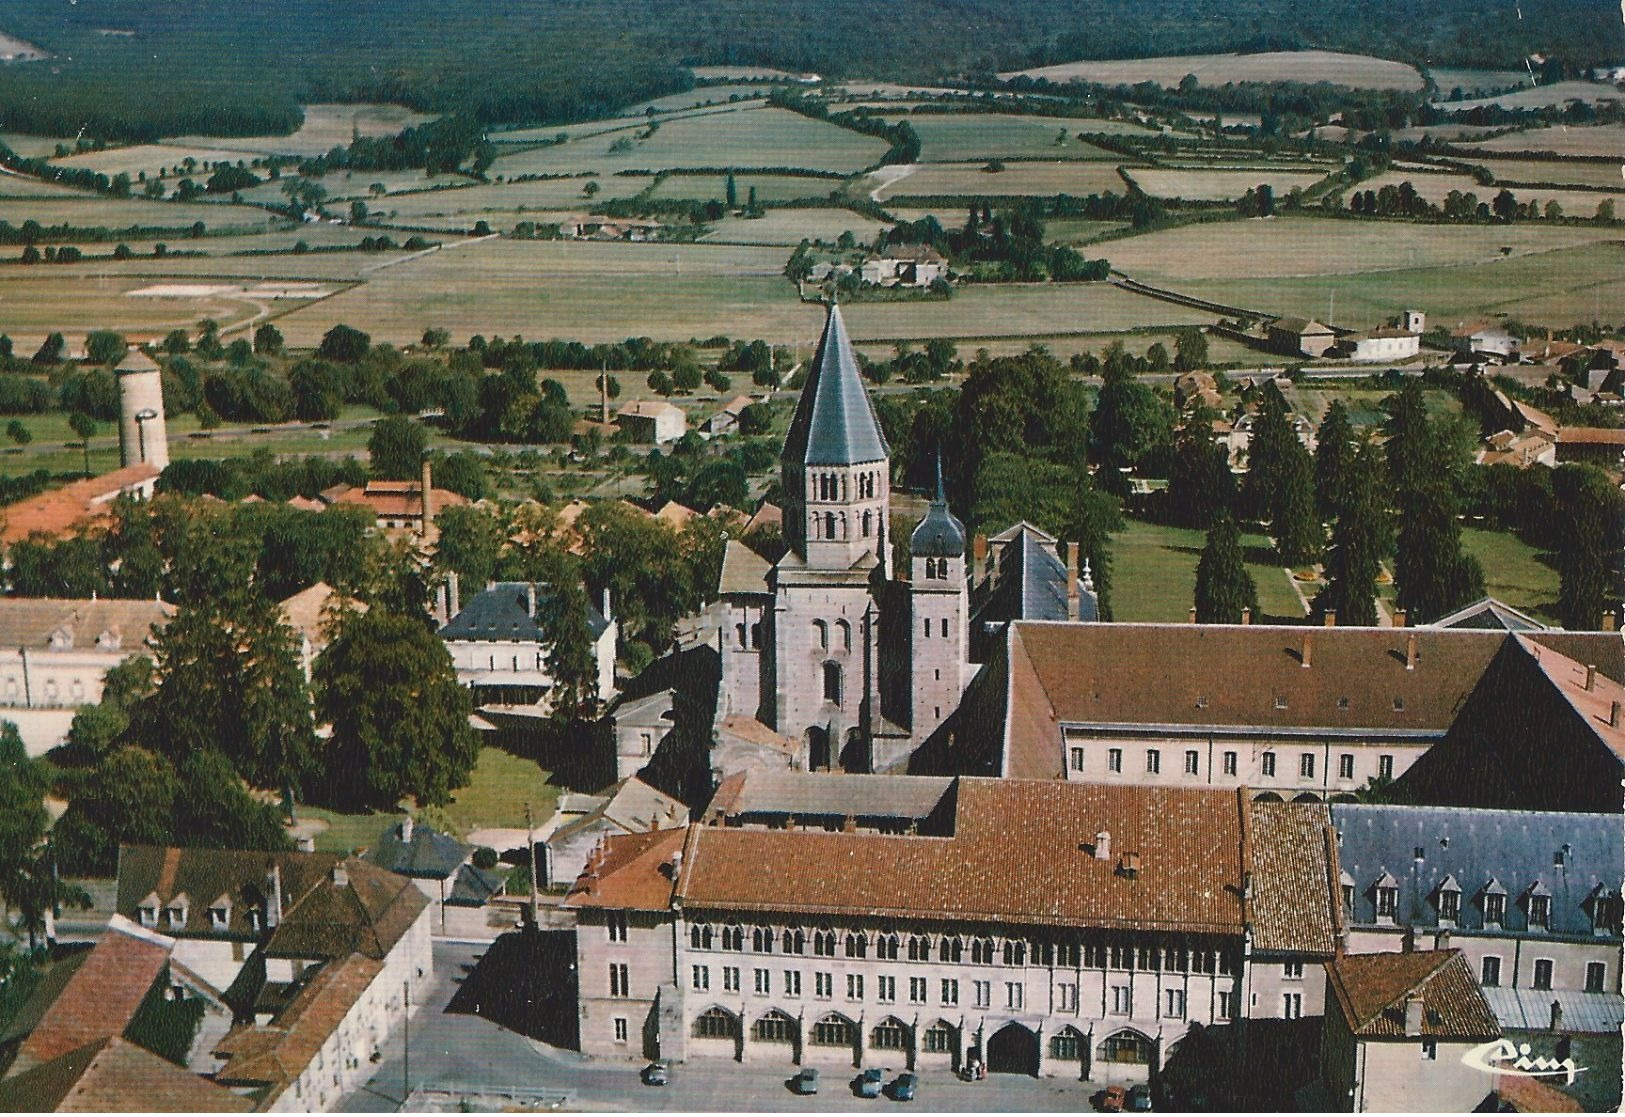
(141, 433)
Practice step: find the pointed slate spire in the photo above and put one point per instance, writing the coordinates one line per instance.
(835, 423)
(939, 534)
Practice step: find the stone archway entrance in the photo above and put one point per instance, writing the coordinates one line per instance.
(1013, 1049)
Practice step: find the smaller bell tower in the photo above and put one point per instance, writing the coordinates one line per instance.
(940, 604)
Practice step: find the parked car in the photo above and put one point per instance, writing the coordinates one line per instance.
(656, 1074)
(1139, 1099)
(903, 1087)
(1113, 1098)
(869, 1083)
(805, 1082)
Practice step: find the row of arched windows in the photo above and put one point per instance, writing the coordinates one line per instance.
(936, 568)
(843, 635)
(832, 486)
(833, 525)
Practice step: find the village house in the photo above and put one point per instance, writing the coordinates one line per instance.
(652, 421)
(589, 227)
(311, 614)
(1384, 344)
(1094, 961)
(1604, 446)
(1300, 337)
(726, 420)
(905, 265)
(399, 507)
(74, 508)
(1482, 340)
(443, 869)
(499, 646)
(55, 654)
(631, 807)
(1398, 1028)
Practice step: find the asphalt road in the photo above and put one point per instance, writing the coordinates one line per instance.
(456, 1057)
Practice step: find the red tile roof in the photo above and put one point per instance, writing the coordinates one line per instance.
(113, 1075)
(1595, 704)
(1371, 990)
(69, 509)
(278, 1053)
(102, 996)
(1590, 436)
(1295, 905)
(398, 498)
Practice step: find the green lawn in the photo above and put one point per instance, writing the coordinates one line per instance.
(1154, 574)
(346, 833)
(1514, 572)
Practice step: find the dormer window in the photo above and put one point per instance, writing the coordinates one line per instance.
(1386, 894)
(61, 640)
(1495, 908)
(219, 918)
(148, 915)
(1345, 885)
(1447, 898)
(1604, 907)
(175, 916)
(1540, 911)
(109, 641)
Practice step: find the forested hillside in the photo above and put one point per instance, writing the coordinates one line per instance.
(133, 69)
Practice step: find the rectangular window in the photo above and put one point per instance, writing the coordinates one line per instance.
(1291, 1005)
(1174, 1004)
(1229, 763)
(1387, 901)
(792, 983)
(615, 924)
(1345, 766)
(702, 978)
(888, 989)
(1596, 976)
(1430, 1049)
(1292, 971)
(1495, 909)
(1306, 765)
(1490, 972)
(854, 987)
(1114, 760)
(1543, 973)
(917, 987)
(1153, 761)
(764, 983)
(1540, 911)
(950, 991)
(1193, 761)
(984, 993)
(620, 984)
(1450, 904)
(1066, 997)
(620, 1029)
(1267, 764)
(823, 986)
(1122, 1003)
(1385, 766)
(1226, 1006)
(1077, 758)
(1015, 994)
(730, 979)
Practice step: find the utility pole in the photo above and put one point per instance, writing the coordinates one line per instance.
(406, 1042)
(530, 843)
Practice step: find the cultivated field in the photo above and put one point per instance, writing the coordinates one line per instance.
(1601, 140)
(1544, 96)
(1430, 185)
(13, 185)
(788, 226)
(699, 98)
(1219, 69)
(946, 138)
(90, 210)
(1217, 185)
(1074, 177)
(744, 73)
(1017, 310)
(769, 188)
(1546, 172)
(500, 205)
(34, 147)
(744, 138)
(325, 127)
(1472, 82)
(157, 159)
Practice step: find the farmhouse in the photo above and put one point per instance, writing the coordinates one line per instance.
(1484, 340)
(1300, 337)
(1386, 344)
(906, 265)
(609, 228)
(652, 421)
(73, 508)
(399, 506)
(1602, 445)
(726, 420)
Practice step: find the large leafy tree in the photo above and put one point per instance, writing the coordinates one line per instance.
(1130, 423)
(470, 544)
(127, 798)
(1590, 545)
(1223, 586)
(22, 810)
(396, 448)
(400, 718)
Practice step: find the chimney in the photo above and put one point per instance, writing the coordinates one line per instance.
(1591, 676)
(604, 601)
(406, 829)
(1399, 618)
(341, 875)
(1609, 621)
(428, 496)
(454, 595)
(1247, 615)
(1613, 714)
(1192, 615)
(1072, 550)
(1103, 846)
(1557, 1016)
(273, 894)
(1441, 941)
(1308, 647)
(603, 394)
(979, 554)
(1331, 618)
(1410, 652)
(1413, 1014)
(530, 598)
(1128, 866)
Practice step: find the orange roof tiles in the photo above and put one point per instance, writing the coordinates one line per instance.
(62, 511)
(113, 1075)
(277, 1054)
(102, 996)
(398, 498)
(1371, 990)
(1601, 705)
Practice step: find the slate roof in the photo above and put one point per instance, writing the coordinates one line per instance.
(1295, 904)
(474, 886)
(1020, 852)
(501, 613)
(427, 855)
(113, 1075)
(1371, 989)
(939, 534)
(835, 421)
(102, 995)
(813, 796)
(1526, 1009)
(1516, 849)
(1489, 613)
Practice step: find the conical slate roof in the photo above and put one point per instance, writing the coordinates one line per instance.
(835, 423)
(939, 534)
(136, 361)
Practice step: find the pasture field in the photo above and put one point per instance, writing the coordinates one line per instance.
(957, 137)
(1431, 185)
(326, 127)
(1453, 132)
(745, 73)
(1547, 172)
(1217, 185)
(240, 268)
(1561, 287)
(1290, 247)
(26, 186)
(92, 210)
(1472, 82)
(1514, 572)
(460, 207)
(789, 226)
(1356, 70)
(1575, 202)
(156, 159)
(1154, 573)
(549, 133)
(1017, 310)
(34, 147)
(769, 188)
(700, 97)
(1602, 140)
(33, 305)
(1076, 230)
(1074, 177)
(743, 138)
(1544, 96)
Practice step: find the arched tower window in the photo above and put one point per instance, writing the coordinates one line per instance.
(844, 630)
(829, 525)
(821, 629)
(868, 523)
(832, 683)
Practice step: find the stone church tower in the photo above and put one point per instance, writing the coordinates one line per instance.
(940, 604)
